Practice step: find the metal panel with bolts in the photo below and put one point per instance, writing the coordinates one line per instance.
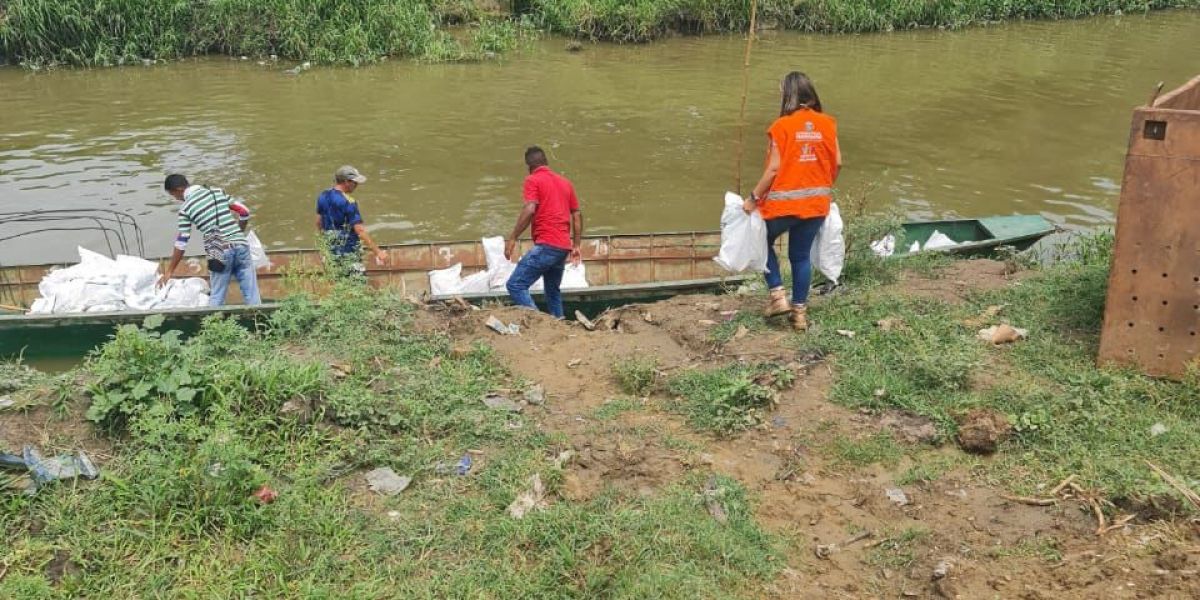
(1152, 312)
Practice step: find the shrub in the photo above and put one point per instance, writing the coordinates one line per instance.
(636, 375)
(729, 399)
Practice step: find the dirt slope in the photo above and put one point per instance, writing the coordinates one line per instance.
(994, 548)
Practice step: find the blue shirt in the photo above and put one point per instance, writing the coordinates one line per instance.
(339, 214)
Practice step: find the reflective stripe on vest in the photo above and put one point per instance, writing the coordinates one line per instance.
(799, 194)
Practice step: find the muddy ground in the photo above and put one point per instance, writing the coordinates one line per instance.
(846, 537)
(989, 547)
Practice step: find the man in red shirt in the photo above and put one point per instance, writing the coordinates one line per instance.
(553, 209)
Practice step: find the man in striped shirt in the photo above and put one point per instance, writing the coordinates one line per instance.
(222, 222)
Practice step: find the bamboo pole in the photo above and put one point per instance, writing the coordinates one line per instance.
(741, 147)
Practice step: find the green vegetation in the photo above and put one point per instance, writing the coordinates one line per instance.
(305, 405)
(1070, 416)
(636, 375)
(728, 399)
(898, 551)
(614, 407)
(643, 20)
(725, 332)
(879, 448)
(84, 32)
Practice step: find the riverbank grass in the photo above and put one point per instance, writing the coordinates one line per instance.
(306, 405)
(1070, 417)
(40, 33)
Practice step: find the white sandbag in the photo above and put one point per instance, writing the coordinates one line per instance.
(885, 247)
(258, 253)
(99, 308)
(574, 277)
(476, 283)
(914, 248)
(138, 274)
(101, 284)
(499, 268)
(94, 268)
(829, 249)
(939, 240)
(183, 293)
(446, 282)
(42, 306)
(743, 238)
(78, 294)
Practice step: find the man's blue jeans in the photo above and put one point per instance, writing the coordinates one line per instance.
(237, 264)
(546, 262)
(801, 233)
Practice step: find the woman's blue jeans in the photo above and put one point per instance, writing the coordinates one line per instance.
(801, 233)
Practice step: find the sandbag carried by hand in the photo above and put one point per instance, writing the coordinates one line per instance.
(743, 238)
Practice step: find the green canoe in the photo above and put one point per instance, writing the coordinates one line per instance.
(977, 237)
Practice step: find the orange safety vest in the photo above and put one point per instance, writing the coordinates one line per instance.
(803, 187)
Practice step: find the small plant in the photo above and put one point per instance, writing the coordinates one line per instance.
(725, 332)
(208, 474)
(729, 399)
(14, 376)
(636, 375)
(878, 448)
(138, 369)
(613, 407)
(897, 551)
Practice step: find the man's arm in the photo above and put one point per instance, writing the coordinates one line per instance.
(242, 212)
(176, 256)
(577, 235)
(523, 221)
(380, 255)
(181, 241)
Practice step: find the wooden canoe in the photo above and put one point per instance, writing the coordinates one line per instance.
(620, 269)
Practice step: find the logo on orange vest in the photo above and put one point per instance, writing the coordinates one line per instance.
(809, 134)
(806, 154)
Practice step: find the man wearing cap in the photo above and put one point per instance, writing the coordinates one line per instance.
(340, 221)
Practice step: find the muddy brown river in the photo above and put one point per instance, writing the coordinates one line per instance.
(1017, 118)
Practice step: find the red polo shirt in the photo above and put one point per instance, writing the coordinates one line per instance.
(555, 198)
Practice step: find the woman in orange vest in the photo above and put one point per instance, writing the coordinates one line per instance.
(795, 190)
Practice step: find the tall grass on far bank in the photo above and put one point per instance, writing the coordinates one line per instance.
(84, 32)
(353, 32)
(643, 20)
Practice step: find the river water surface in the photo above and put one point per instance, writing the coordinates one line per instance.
(1017, 118)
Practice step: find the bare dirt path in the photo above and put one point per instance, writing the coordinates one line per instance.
(952, 537)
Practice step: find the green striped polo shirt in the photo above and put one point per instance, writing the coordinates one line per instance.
(208, 209)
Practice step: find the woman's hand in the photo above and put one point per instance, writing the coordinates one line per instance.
(749, 204)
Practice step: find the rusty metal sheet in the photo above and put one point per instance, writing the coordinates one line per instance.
(1152, 310)
(1186, 97)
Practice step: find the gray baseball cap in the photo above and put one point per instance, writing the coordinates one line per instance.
(348, 173)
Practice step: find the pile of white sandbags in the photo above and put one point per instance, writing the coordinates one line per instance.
(102, 284)
(450, 282)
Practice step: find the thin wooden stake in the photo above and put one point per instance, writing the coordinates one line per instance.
(737, 175)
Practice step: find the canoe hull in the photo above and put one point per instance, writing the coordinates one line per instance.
(978, 237)
(73, 335)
